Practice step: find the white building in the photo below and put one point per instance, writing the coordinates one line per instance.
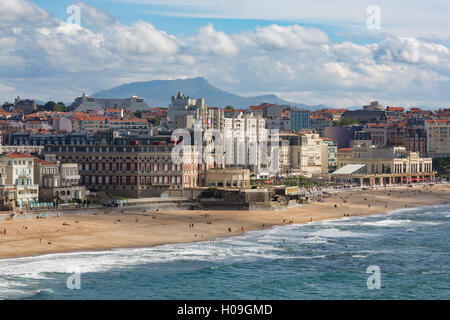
(244, 139)
(182, 105)
(18, 188)
(308, 154)
(86, 103)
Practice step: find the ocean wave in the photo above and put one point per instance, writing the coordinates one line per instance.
(398, 223)
(359, 256)
(337, 233)
(18, 275)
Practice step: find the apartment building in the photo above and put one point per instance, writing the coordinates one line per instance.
(300, 120)
(184, 105)
(308, 154)
(18, 187)
(331, 147)
(438, 137)
(243, 136)
(58, 181)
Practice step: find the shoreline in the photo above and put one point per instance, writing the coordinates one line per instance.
(133, 229)
(224, 237)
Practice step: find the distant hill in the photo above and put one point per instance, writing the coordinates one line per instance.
(157, 93)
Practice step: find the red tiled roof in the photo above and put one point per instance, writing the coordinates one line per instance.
(439, 121)
(395, 109)
(47, 163)
(18, 155)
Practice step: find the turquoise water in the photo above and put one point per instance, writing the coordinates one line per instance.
(323, 260)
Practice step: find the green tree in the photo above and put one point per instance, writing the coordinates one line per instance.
(154, 121)
(60, 107)
(229, 108)
(53, 106)
(49, 106)
(345, 122)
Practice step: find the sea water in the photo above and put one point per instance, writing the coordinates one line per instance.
(319, 260)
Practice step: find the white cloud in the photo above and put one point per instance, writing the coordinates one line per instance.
(211, 41)
(407, 17)
(292, 37)
(141, 38)
(45, 58)
(91, 16)
(410, 50)
(21, 11)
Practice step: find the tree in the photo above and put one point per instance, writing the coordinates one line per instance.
(52, 106)
(154, 121)
(49, 106)
(60, 107)
(229, 108)
(345, 122)
(56, 201)
(77, 200)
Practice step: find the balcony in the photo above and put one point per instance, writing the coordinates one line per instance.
(71, 177)
(25, 187)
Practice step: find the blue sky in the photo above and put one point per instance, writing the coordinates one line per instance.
(304, 51)
(185, 26)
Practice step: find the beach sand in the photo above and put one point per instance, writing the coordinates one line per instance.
(139, 229)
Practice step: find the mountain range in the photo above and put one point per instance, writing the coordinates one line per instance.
(157, 93)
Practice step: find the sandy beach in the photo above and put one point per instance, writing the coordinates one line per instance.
(136, 228)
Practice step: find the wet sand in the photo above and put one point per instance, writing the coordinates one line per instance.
(136, 228)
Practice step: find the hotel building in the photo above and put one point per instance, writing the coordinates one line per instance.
(132, 170)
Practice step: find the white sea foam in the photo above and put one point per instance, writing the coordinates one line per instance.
(337, 233)
(398, 223)
(315, 239)
(359, 256)
(387, 223)
(18, 275)
(227, 250)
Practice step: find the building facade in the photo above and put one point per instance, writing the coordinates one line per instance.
(58, 182)
(300, 120)
(18, 185)
(228, 178)
(131, 170)
(438, 137)
(382, 166)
